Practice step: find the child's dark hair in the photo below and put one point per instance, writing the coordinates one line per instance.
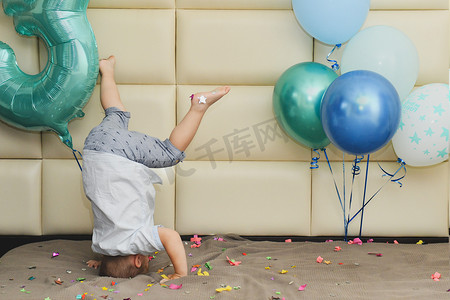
(119, 267)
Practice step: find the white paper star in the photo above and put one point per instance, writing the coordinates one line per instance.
(202, 99)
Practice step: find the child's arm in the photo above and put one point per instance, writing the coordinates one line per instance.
(171, 241)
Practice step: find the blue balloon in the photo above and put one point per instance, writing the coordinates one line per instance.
(331, 21)
(360, 112)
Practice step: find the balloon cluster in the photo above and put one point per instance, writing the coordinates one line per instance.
(360, 111)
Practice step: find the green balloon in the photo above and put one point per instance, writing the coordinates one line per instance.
(297, 97)
(50, 99)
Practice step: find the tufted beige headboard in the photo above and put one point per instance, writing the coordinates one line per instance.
(242, 174)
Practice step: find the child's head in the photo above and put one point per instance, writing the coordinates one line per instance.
(124, 266)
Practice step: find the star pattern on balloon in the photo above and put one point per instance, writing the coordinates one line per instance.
(429, 132)
(415, 138)
(445, 133)
(438, 109)
(421, 97)
(442, 153)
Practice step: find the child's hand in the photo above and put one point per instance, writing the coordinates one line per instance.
(171, 276)
(93, 263)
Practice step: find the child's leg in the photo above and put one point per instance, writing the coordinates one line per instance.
(171, 241)
(184, 132)
(109, 94)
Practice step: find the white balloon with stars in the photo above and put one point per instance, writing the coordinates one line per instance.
(422, 138)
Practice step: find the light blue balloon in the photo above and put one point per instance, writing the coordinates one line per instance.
(386, 51)
(331, 21)
(50, 99)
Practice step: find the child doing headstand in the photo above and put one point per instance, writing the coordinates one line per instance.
(118, 181)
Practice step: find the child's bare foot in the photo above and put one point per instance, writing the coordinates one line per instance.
(171, 276)
(201, 101)
(106, 66)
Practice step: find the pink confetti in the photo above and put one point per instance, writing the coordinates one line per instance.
(370, 240)
(140, 294)
(196, 239)
(319, 259)
(355, 241)
(233, 262)
(302, 287)
(193, 269)
(328, 241)
(271, 278)
(288, 241)
(375, 253)
(395, 242)
(175, 287)
(337, 248)
(436, 276)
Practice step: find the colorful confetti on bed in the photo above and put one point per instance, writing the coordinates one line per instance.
(231, 267)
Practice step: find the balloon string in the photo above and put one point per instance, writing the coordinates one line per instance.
(364, 196)
(335, 65)
(314, 160)
(356, 170)
(389, 180)
(74, 155)
(74, 152)
(343, 187)
(402, 166)
(336, 187)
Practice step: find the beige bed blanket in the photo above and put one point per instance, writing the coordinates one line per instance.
(267, 270)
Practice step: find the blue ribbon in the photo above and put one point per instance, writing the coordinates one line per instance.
(337, 192)
(74, 155)
(356, 170)
(74, 152)
(402, 166)
(364, 196)
(335, 65)
(315, 160)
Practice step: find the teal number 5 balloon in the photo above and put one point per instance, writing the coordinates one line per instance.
(50, 99)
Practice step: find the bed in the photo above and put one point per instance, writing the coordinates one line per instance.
(233, 267)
